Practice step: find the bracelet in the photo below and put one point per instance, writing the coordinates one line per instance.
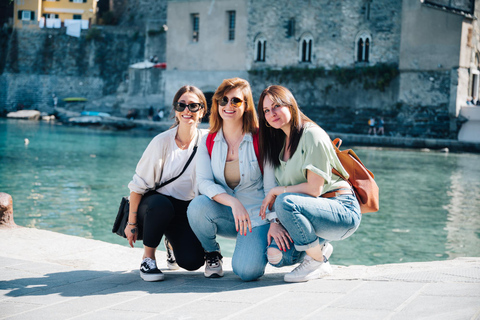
(131, 224)
(134, 212)
(284, 189)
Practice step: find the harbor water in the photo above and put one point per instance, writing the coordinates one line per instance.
(71, 179)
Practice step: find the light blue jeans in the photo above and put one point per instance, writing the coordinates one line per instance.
(209, 218)
(312, 221)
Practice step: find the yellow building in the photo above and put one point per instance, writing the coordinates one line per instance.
(53, 13)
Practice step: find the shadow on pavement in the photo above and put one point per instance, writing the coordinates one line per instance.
(80, 283)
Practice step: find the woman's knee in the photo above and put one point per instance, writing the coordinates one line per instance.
(198, 206)
(190, 262)
(248, 274)
(274, 256)
(284, 205)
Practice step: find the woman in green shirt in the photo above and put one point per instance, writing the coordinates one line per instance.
(313, 206)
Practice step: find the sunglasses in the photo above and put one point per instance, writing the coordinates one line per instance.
(235, 102)
(193, 107)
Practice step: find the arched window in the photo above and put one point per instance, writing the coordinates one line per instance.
(260, 48)
(363, 42)
(306, 47)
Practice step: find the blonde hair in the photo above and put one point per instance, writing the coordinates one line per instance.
(250, 120)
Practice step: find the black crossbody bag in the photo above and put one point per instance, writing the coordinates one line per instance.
(123, 211)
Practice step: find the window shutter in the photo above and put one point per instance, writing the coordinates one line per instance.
(32, 15)
(19, 14)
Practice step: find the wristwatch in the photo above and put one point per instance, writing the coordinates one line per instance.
(275, 220)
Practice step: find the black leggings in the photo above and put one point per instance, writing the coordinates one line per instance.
(164, 215)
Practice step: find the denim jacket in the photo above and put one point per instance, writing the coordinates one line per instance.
(211, 178)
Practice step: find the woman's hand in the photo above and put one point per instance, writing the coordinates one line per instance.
(242, 219)
(269, 201)
(280, 235)
(131, 232)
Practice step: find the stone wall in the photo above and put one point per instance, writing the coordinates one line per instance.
(341, 106)
(41, 62)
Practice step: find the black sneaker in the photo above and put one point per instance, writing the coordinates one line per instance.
(149, 270)
(171, 261)
(213, 265)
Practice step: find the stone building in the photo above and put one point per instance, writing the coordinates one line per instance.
(414, 61)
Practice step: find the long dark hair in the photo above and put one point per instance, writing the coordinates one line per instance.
(271, 140)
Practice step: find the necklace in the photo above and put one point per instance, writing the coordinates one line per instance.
(233, 146)
(182, 145)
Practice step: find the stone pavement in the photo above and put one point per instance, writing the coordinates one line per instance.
(47, 275)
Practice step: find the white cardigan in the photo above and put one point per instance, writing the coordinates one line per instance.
(149, 171)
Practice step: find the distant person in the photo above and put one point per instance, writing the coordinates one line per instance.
(162, 211)
(132, 114)
(55, 100)
(150, 113)
(371, 126)
(159, 115)
(380, 124)
(469, 101)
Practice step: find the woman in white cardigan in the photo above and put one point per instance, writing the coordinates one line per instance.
(158, 211)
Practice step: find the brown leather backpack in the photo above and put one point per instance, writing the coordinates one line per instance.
(360, 178)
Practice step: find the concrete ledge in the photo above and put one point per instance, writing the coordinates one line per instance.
(46, 275)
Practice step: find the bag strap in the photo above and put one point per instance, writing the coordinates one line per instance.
(186, 165)
(211, 141)
(257, 151)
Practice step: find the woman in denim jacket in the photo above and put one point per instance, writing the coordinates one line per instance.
(312, 204)
(231, 185)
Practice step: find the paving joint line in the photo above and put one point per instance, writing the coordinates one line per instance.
(407, 302)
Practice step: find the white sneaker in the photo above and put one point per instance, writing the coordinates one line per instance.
(149, 270)
(213, 265)
(171, 261)
(309, 269)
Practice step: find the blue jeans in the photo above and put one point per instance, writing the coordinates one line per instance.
(313, 221)
(209, 218)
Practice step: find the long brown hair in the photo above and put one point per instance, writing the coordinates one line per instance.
(196, 92)
(271, 140)
(250, 120)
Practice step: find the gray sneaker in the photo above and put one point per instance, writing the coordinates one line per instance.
(171, 261)
(213, 265)
(309, 269)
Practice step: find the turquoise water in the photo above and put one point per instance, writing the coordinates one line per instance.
(71, 179)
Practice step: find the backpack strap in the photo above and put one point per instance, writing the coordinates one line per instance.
(257, 151)
(211, 141)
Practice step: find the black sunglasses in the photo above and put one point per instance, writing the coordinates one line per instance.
(193, 107)
(235, 102)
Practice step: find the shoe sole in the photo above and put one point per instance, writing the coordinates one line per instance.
(152, 277)
(172, 266)
(313, 276)
(214, 275)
